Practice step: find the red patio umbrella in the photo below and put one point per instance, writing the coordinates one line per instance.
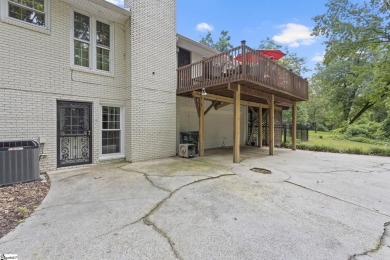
(274, 54)
(253, 57)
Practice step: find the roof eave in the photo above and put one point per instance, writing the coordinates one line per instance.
(105, 8)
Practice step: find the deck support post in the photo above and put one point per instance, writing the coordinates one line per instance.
(271, 125)
(201, 126)
(237, 125)
(294, 127)
(260, 127)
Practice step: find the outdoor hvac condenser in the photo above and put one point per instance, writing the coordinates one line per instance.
(187, 150)
(19, 161)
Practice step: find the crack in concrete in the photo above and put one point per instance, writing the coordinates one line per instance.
(145, 219)
(163, 234)
(333, 197)
(338, 171)
(382, 166)
(158, 187)
(147, 178)
(178, 176)
(379, 245)
(186, 185)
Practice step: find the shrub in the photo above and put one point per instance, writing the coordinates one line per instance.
(366, 140)
(355, 150)
(380, 151)
(386, 127)
(322, 128)
(357, 130)
(363, 129)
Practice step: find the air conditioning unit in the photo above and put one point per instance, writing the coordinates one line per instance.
(187, 150)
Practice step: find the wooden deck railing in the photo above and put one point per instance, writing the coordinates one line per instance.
(240, 64)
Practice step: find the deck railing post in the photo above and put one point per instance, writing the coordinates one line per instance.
(243, 47)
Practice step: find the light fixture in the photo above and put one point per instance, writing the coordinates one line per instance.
(204, 92)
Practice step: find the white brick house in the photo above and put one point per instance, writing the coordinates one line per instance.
(94, 82)
(90, 80)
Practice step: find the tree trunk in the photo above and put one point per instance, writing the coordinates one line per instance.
(367, 106)
(364, 109)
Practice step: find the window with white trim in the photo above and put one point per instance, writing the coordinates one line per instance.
(30, 11)
(111, 130)
(91, 43)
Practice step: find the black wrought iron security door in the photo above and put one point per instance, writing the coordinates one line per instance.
(74, 133)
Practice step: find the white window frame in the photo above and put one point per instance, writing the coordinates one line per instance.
(121, 154)
(92, 44)
(6, 18)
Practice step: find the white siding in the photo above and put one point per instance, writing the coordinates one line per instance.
(218, 123)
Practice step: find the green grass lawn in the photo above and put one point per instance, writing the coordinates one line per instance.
(328, 142)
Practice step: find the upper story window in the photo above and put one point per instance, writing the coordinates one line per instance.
(92, 43)
(30, 11)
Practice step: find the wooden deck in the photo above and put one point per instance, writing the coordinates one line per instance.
(258, 77)
(242, 77)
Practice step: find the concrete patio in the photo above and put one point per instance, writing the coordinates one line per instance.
(312, 206)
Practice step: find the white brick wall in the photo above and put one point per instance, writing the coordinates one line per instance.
(35, 72)
(151, 97)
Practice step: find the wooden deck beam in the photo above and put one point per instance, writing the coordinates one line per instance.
(210, 107)
(220, 105)
(229, 100)
(196, 101)
(258, 94)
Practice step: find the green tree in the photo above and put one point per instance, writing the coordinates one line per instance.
(223, 43)
(316, 106)
(207, 40)
(356, 70)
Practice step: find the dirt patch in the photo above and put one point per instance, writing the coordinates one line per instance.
(18, 201)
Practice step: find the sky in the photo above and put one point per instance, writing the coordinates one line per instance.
(287, 22)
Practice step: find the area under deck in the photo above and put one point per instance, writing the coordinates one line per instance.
(241, 76)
